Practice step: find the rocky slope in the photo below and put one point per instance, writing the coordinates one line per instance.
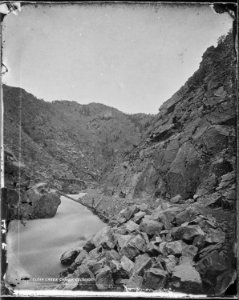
(171, 247)
(66, 142)
(180, 232)
(191, 143)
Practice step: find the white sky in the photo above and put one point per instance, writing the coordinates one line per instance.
(132, 57)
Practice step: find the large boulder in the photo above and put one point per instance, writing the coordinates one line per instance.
(166, 216)
(39, 203)
(176, 199)
(211, 266)
(122, 240)
(187, 233)
(186, 215)
(86, 279)
(128, 212)
(142, 262)
(151, 227)
(134, 246)
(169, 263)
(155, 279)
(127, 265)
(104, 238)
(104, 280)
(188, 253)
(134, 282)
(68, 257)
(80, 257)
(131, 226)
(138, 216)
(174, 247)
(185, 278)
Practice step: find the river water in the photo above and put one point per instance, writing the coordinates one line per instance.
(34, 250)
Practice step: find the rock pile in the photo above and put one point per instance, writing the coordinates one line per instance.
(172, 247)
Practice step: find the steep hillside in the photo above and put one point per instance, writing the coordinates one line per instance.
(171, 204)
(191, 143)
(67, 140)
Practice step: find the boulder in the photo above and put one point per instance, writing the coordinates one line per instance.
(185, 278)
(68, 257)
(86, 279)
(162, 248)
(175, 247)
(142, 262)
(89, 245)
(104, 238)
(112, 255)
(128, 212)
(152, 248)
(104, 280)
(216, 271)
(211, 200)
(143, 207)
(83, 272)
(187, 233)
(212, 265)
(131, 226)
(122, 240)
(169, 212)
(199, 241)
(224, 280)
(130, 251)
(169, 263)
(138, 216)
(154, 278)
(188, 253)
(120, 220)
(127, 265)
(95, 254)
(134, 246)
(115, 266)
(120, 230)
(80, 257)
(94, 266)
(229, 176)
(151, 227)
(40, 204)
(214, 236)
(157, 262)
(176, 199)
(134, 282)
(139, 242)
(186, 215)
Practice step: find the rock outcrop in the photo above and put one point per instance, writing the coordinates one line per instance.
(159, 253)
(20, 199)
(191, 143)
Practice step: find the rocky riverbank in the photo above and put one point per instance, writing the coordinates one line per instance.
(174, 247)
(23, 199)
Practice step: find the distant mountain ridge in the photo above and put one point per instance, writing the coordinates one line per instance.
(65, 138)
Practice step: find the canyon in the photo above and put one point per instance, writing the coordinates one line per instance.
(165, 184)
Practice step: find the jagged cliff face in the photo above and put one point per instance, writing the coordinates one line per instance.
(191, 143)
(64, 139)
